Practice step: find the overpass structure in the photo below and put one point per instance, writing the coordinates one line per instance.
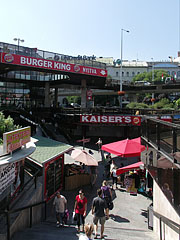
(27, 74)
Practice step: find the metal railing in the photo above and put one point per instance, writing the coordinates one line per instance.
(7, 213)
(162, 219)
(34, 52)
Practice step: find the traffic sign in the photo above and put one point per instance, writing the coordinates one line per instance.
(85, 140)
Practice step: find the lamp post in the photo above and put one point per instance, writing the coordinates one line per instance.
(18, 40)
(120, 75)
(152, 79)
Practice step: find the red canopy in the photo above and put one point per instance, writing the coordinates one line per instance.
(129, 168)
(125, 148)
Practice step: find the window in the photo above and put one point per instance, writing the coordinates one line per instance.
(133, 74)
(122, 74)
(116, 74)
(127, 74)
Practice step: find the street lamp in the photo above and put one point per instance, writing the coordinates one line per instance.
(18, 40)
(120, 75)
(152, 79)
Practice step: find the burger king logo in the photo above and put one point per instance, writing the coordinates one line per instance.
(8, 58)
(136, 120)
(76, 68)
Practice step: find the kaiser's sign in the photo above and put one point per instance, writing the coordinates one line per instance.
(111, 119)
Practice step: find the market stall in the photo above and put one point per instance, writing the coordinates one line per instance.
(49, 158)
(78, 175)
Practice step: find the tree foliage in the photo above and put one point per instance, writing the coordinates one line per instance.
(147, 76)
(164, 103)
(136, 105)
(6, 125)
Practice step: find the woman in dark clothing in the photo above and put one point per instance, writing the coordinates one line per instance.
(107, 194)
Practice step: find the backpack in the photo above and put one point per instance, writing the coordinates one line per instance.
(106, 192)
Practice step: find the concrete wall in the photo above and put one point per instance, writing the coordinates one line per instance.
(21, 220)
(162, 206)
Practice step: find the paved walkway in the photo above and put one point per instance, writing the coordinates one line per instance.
(128, 219)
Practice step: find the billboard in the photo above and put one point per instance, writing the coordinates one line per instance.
(111, 119)
(51, 65)
(15, 139)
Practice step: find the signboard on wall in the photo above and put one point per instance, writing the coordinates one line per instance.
(51, 65)
(7, 176)
(111, 119)
(15, 139)
(53, 178)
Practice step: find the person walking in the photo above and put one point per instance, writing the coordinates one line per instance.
(88, 231)
(60, 204)
(80, 208)
(107, 194)
(99, 207)
(93, 171)
(99, 143)
(113, 169)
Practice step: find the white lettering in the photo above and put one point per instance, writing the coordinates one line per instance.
(127, 119)
(104, 118)
(111, 118)
(89, 70)
(49, 64)
(85, 119)
(68, 67)
(29, 61)
(23, 60)
(40, 63)
(93, 119)
(34, 62)
(118, 119)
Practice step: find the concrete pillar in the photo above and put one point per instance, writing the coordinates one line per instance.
(47, 95)
(56, 97)
(83, 93)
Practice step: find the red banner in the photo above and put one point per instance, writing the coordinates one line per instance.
(51, 65)
(113, 119)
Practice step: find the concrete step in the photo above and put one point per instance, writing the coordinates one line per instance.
(48, 230)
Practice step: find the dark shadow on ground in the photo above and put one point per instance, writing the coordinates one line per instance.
(118, 218)
(144, 213)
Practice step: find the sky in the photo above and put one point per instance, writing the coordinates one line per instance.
(93, 27)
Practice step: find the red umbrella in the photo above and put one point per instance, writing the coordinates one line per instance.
(125, 148)
(129, 168)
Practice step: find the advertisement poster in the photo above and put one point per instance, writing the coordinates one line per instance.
(7, 176)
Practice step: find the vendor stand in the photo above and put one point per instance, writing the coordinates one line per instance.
(76, 176)
(49, 158)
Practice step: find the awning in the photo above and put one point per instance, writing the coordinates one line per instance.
(129, 168)
(125, 148)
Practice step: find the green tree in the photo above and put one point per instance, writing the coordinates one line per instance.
(6, 125)
(136, 105)
(164, 103)
(147, 76)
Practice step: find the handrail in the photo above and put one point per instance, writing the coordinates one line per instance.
(8, 212)
(173, 225)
